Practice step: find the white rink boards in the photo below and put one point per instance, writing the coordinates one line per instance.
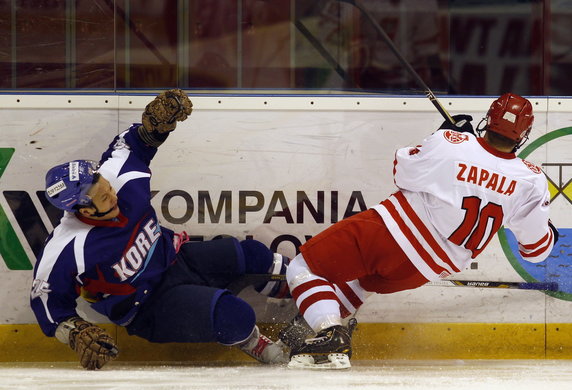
(279, 169)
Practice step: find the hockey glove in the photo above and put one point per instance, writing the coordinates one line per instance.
(554, 230)
(462, 124)
(93, 345)
(162, 114)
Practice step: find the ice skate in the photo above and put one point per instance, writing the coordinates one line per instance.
(263, 349)
(329, 350)
(295, 333)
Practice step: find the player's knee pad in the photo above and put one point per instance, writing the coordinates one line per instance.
(298, 272)
(233, 320)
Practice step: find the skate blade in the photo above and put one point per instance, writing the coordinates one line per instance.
(336, 361)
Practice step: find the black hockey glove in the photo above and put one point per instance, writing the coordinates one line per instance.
(462, 124)
(554, 230)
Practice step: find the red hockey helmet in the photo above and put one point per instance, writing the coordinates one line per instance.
(510, 116)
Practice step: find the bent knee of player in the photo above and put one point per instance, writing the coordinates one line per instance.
(233, 319)
(298, 272)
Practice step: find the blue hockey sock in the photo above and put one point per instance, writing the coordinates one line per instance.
(233, 320)
(260, 260)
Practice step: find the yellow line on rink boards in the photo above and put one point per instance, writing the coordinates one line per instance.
(371, 341)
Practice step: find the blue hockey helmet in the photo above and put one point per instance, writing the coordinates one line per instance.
(67, 184)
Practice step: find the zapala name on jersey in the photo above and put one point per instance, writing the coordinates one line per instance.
(139, 252)
(485, 178)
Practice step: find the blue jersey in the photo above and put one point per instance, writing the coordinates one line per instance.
(116, 263)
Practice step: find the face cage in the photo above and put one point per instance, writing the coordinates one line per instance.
(88, 202)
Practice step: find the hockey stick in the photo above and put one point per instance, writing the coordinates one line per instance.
(539, 286)
(403, 61)
(321, 49)
(250, 279)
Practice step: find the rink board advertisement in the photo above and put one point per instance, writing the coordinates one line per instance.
(280, 169)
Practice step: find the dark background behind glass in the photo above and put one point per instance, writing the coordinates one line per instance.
(459, 47)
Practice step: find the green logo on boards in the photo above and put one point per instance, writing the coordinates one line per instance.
(11, 249)
(558, 267)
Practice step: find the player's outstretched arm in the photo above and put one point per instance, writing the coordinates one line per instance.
(93, 345)
(162, 114)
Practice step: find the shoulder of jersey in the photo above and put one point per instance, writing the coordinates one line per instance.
(455, 137)
(534, 168)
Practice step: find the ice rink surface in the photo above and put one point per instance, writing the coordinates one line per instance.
(364, 375)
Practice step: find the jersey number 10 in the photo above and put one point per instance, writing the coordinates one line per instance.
(472, 230)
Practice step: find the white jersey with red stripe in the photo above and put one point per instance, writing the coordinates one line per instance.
(455, 192)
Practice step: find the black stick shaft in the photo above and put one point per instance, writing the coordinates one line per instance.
(541, 286)
(321, 49)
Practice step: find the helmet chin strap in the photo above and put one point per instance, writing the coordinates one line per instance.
(100, 214)
(480, 129)
(521, 142)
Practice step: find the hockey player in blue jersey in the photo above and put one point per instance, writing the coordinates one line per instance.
(111, 249)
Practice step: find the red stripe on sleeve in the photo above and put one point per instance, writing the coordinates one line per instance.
(539, 251)
(540, 242)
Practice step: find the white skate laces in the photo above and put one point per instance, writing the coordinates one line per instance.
(263, 349)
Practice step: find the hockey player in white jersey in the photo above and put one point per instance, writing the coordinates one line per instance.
(455, 191)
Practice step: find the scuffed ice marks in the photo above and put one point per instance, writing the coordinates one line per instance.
(364, 375)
